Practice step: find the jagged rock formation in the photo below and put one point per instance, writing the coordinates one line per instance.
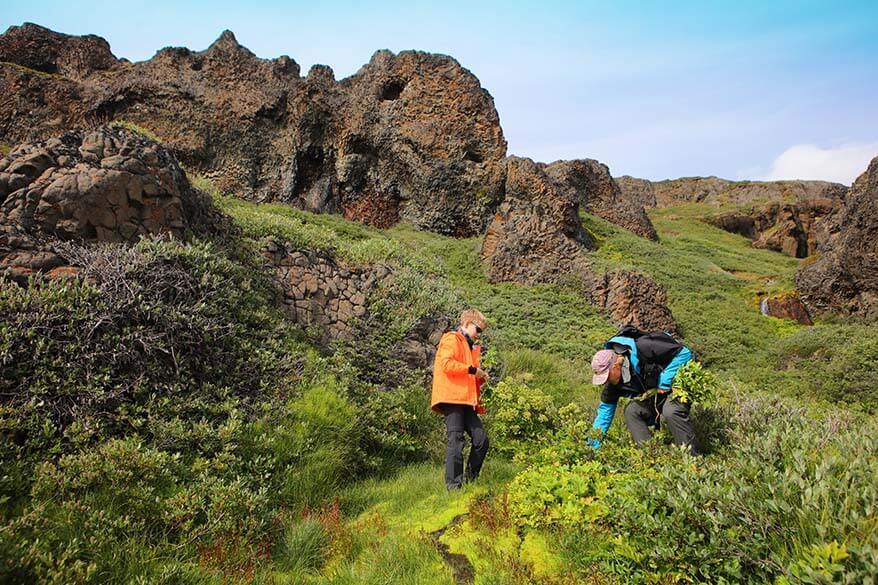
(795, 229)
(109, 185)
(410, 136)
(845, 276)
(536, 236)
(633, 297)
(41, 49)
(591, 183)
(716, 191)
(639, 191)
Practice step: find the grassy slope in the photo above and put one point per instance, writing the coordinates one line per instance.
(546, 335)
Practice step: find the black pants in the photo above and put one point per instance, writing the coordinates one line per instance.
(460, 419)
(639, 416)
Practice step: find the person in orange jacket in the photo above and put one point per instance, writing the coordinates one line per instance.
(457, 381)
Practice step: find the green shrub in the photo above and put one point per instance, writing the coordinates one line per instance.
(558, 494)
(837, 363)
(519, 416)
(693, 384)
(785, 484)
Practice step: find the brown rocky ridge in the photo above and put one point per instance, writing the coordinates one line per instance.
(844, 277)
(795, 229)
(716, 191)
(411, 136)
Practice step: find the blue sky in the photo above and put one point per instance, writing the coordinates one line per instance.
(743, 90)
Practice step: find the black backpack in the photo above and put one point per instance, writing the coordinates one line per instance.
(654, 351)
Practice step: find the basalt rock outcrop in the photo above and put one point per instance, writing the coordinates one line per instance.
(633, 297)
(639, 191)
(107, 185)
(591, 183)
(845, 275)
(716, 191)
(795, 229)
(411, 136)
(536, 237)
(536, 234)
(41, 49)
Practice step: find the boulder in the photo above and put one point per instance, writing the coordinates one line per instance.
(844, 277)
(108, 185)
(536, 234)
(633, 297)
(786, 306)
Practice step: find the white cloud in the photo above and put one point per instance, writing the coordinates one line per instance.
(806, 161)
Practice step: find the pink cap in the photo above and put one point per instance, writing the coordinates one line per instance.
(601, 364)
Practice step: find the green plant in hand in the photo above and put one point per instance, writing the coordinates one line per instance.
(693, 384)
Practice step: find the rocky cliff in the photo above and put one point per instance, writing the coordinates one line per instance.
(412, 136)
(845, 275)
(795, 229)
(536, 236)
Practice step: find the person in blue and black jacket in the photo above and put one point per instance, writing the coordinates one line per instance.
(631, 364)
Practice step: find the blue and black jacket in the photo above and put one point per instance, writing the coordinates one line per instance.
(654, 358)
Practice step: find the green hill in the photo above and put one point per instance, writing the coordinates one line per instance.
(165, 424)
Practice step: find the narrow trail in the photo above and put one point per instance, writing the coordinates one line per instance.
(462, 569)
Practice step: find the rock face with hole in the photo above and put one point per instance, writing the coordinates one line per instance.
(411, 136)
(795, 229)
(108, 185)
(845, 275)
(591, 183)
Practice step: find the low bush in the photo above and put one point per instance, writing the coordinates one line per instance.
(519, 416)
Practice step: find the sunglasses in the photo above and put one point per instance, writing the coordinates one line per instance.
(478, 329)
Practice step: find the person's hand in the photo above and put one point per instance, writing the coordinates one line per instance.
(482, 375)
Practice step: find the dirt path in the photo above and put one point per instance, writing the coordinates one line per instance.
(461, 567)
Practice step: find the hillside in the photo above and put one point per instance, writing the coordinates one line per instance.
(247, 492)
(222, 286)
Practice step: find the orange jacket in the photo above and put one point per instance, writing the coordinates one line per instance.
(452, 382)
